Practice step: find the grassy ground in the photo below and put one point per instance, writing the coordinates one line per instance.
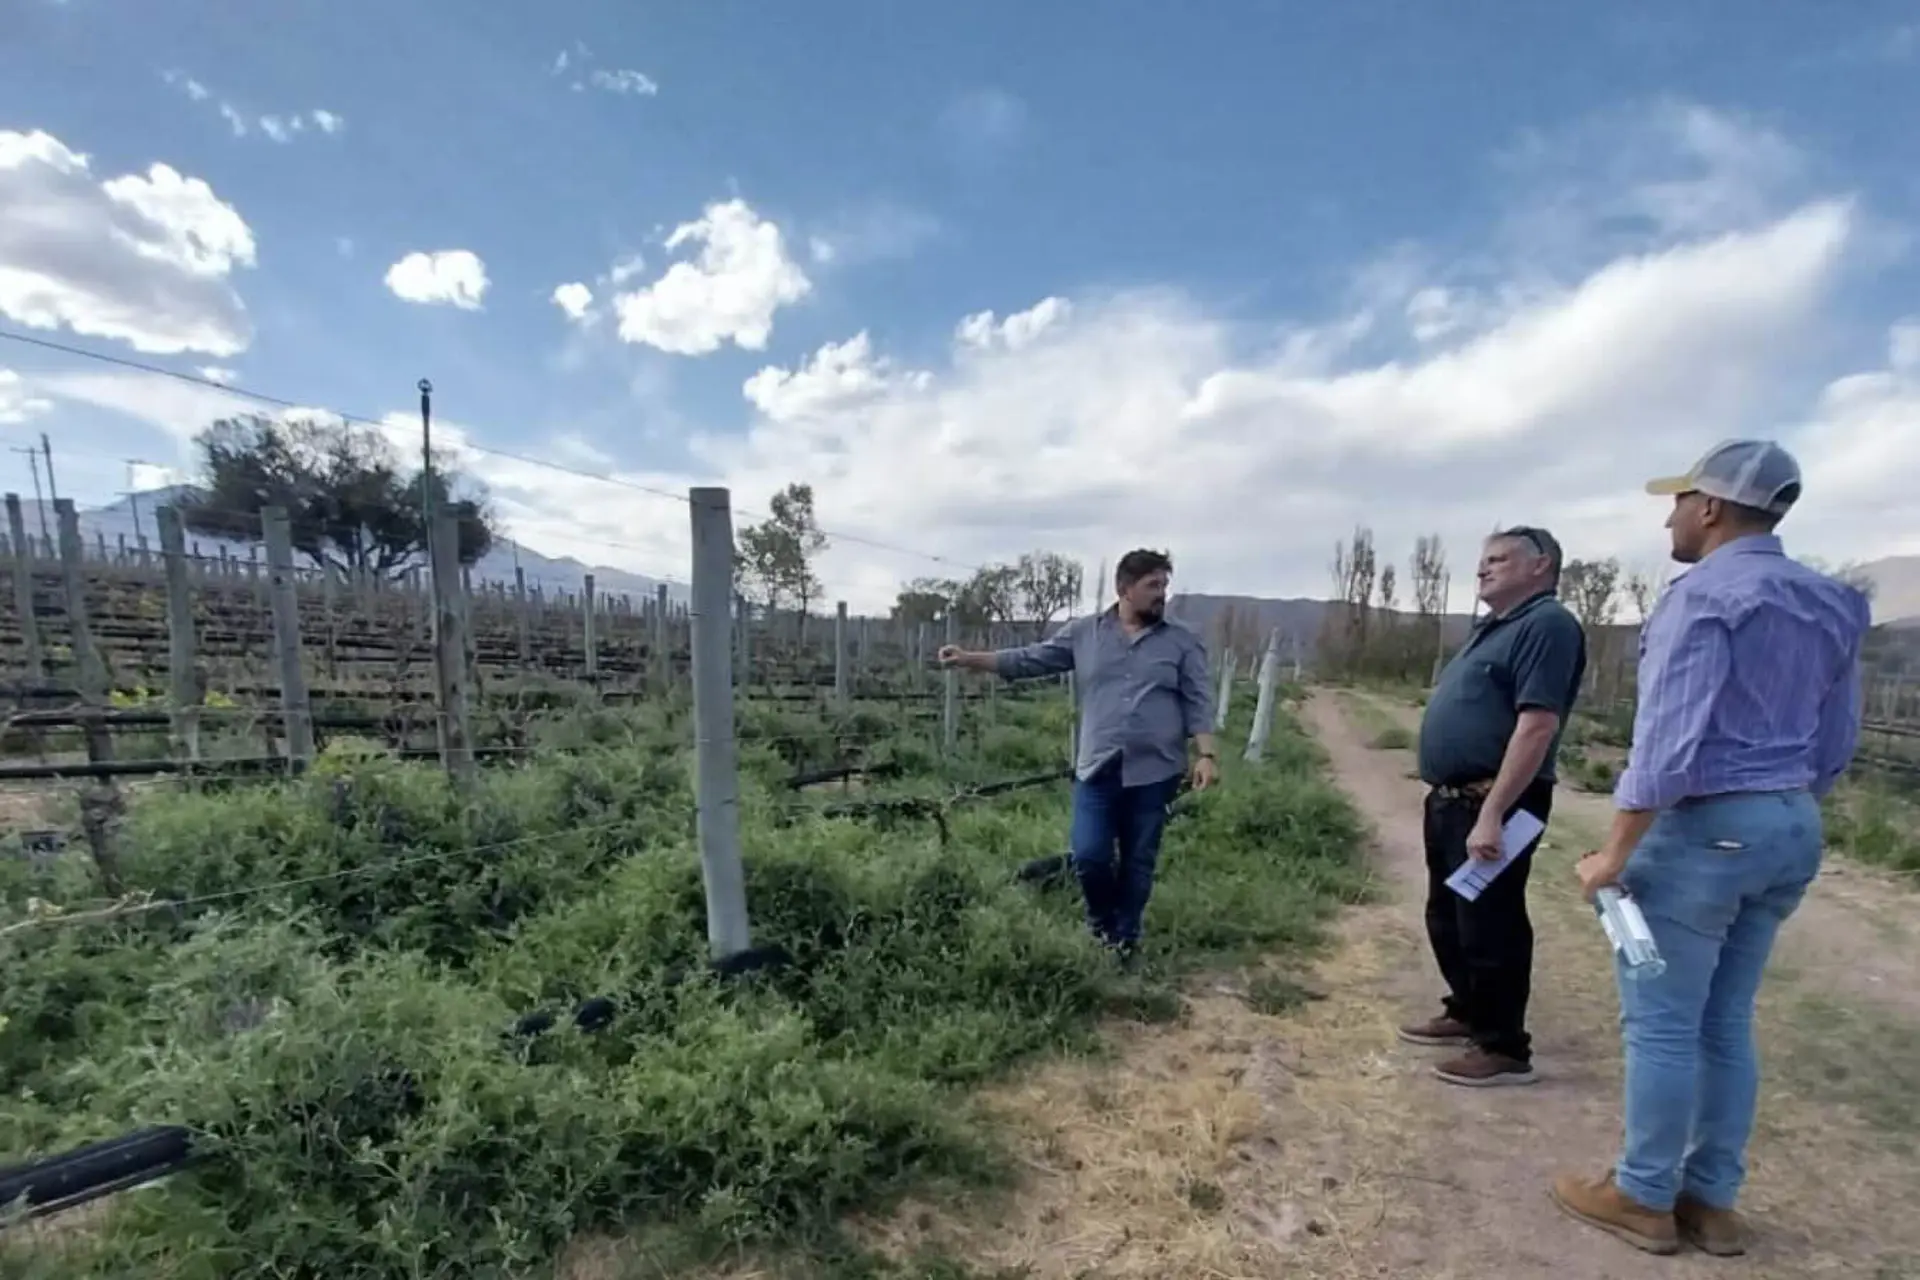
(336, 1040)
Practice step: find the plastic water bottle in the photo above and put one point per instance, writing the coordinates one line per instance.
(1627, 929)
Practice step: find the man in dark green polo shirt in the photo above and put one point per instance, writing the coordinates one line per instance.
(1487, 745)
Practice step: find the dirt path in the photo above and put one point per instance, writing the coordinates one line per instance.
(1833, 1163)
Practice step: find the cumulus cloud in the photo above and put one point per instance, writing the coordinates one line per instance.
(981, 331)
(216, 373)
(573, 298)
(17, 404)
(1088, 422)
(445, 277)
(837, 377)
(729, 292)
(145, 259)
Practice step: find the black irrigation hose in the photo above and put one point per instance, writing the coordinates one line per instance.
(53, 1183)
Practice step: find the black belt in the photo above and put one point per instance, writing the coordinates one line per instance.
(1464, 790)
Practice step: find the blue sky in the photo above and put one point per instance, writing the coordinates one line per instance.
(1310, 265)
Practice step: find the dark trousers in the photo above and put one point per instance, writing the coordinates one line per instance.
(1115, 841)
(1484, 947)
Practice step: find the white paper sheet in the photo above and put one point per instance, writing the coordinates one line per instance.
(1473, 877)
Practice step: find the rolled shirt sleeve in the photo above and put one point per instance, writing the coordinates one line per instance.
(1048, 657)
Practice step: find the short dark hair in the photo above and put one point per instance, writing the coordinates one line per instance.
(1542, 542)
(1759, 518)
(1137, 564)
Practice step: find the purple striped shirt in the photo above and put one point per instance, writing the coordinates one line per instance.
(1749, 680)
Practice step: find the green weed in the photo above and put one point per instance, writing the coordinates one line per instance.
(338, 1039)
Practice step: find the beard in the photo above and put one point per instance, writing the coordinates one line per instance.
(1152, 612)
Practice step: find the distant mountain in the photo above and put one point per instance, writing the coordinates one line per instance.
(1896, 589)
(1297, 620)
(131, 517)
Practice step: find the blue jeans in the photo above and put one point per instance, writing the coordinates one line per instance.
(1115, 841)
(1715, 879)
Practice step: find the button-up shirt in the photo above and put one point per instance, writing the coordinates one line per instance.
(1141, 695)
(1749, 680)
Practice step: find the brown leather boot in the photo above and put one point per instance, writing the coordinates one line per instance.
(1438, 1033)
(1720, 1232)
(1599, 1203)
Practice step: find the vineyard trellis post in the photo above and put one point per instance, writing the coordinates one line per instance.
(717, 817)
(450, 650)
(950, 692)
(23, 593)
(184, 688)
(840, 652)
(589, 639)
(521, 630)
(743, 638)
(662, 668)
(1225, 697)
(1263, 706)
(296, 711)
(98, 804)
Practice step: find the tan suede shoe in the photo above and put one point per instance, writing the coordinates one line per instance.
(1599, 1203)
(1720, 1232)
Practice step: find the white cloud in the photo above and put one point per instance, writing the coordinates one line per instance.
(453, 277)
(730, 292)
(573, 298)
(1860, 451)
(623, 81)
(141, 258)
(981, 331)
(838, 377)
(1089, 423)
(215, 373)
(279, 126)
(626, 269)
(17, 404)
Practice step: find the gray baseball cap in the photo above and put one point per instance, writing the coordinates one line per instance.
(1753, 473)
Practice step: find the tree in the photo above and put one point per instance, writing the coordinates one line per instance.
(1591, 589)
(924, 600)
(773, 560)
(1048, 583)
(1643, 591)
(347, 498)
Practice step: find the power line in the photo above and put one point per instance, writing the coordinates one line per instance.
(367, 420)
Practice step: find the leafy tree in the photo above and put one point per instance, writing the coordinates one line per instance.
(773, 560)
(1048, 583)
(1591, 589)
(350, 503)
(924, 600)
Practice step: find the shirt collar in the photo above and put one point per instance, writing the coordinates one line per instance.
(1528, 605)
(1747, 544)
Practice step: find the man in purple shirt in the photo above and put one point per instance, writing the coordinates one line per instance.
(1749, 710)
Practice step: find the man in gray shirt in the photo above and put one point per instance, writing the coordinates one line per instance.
(1142, 681)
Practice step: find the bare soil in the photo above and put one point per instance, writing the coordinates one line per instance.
(1310, 1142)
